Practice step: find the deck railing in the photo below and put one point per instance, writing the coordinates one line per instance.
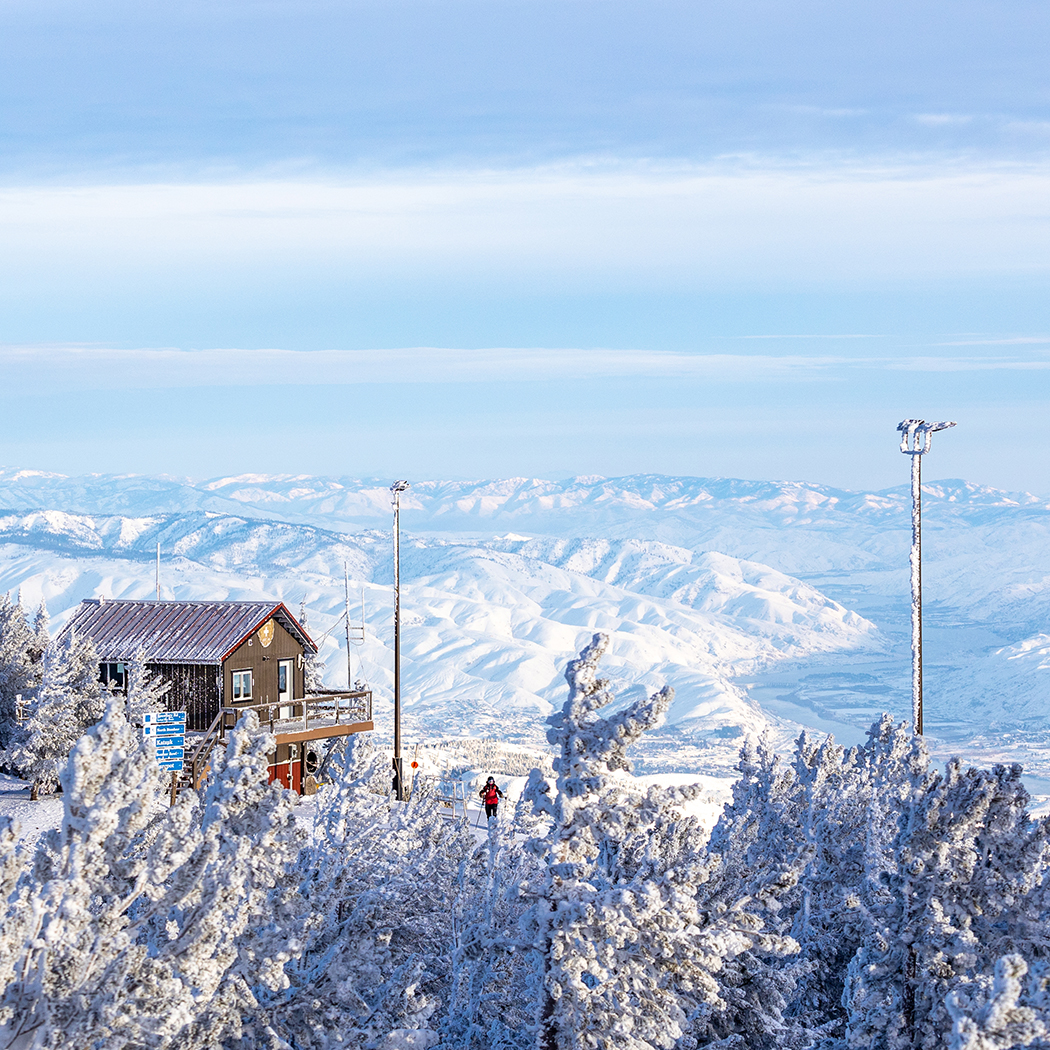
(318, 710)
(315, 710)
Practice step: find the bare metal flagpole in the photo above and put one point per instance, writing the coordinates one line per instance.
(916, 435)
(399, 783)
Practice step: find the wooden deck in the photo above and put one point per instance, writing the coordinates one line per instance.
(316, 716)
(311, 717)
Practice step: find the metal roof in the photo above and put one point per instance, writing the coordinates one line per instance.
(176, 632)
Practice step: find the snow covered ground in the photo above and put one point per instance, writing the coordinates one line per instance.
(33, 818)
(769, 606)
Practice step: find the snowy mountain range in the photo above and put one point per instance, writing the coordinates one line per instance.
(768, 605)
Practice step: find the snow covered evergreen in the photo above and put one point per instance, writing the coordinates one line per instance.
(848, 898)
(375, 947)
(634, 935)
(137, 924)
(145, 691)
(913, 886)
(67, 701)
(19, 672)
(496, 969)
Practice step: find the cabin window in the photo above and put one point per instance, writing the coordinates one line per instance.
(112, 674)
(242, 685)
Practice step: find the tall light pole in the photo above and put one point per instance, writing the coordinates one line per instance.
(916, 435)
(399, 782)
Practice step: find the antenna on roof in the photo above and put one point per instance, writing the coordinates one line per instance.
(346, 619)
(158, 570)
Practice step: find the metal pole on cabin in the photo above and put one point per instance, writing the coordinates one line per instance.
(916, 435)
(399, 784)
(158, 570)
(346, 617)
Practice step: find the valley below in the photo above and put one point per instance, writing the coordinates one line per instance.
(771, 607)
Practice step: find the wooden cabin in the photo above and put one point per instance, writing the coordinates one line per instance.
(219, 659)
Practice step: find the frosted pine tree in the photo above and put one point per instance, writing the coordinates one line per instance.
(81, 662)
(226, 918)
(760, 829)
(495, 988)
(377, 947)
(51, 727)
(18, 673)
(999, 1023)
(961, 884)
(313, 665)
(72, 970)
(41, 634)
(145, 690)
(804, 826)
(629, 959)
(144, 925)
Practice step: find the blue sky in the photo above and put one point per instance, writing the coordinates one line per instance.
(491, 238)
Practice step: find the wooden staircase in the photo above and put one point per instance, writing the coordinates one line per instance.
(195, 767)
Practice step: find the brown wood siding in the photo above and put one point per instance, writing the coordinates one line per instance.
(261, 660)
(194, 688)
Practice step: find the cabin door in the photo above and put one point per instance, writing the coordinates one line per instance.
(284, 687)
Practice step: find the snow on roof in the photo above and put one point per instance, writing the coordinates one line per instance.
(176, 632)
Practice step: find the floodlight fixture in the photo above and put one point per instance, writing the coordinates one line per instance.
(916, 436)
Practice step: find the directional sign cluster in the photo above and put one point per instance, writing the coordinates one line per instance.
(167, 729)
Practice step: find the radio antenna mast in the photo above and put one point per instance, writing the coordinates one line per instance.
(345, 581)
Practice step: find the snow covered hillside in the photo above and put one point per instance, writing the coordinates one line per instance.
(763, 603)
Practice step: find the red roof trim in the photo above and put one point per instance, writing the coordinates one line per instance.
(269, 616)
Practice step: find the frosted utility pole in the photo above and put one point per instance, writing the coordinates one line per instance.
(399, 784)
(916, 435)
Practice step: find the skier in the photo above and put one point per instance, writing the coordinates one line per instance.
(491, 794)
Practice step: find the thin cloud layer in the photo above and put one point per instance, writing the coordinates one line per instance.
(734, 226)
(79, 367)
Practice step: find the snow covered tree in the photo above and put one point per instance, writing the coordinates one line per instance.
(806, 822)
(41, 634)
(81, 661)
(630, 958)
(51, 727)
(1000, 1023)
(144, 925)
(961, 884)
(495, 984)
(145, 691)
(67, 947)
(18, 673)
(67, 701)
(376, 948)
(220, 915)
(313, 665)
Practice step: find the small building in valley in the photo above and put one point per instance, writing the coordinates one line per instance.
(220, 658)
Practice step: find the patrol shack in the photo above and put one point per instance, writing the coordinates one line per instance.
(219, 660)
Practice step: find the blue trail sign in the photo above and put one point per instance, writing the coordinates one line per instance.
(167, 730)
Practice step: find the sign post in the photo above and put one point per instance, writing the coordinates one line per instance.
(167, 730)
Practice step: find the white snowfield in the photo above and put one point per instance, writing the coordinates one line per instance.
(767, 605)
